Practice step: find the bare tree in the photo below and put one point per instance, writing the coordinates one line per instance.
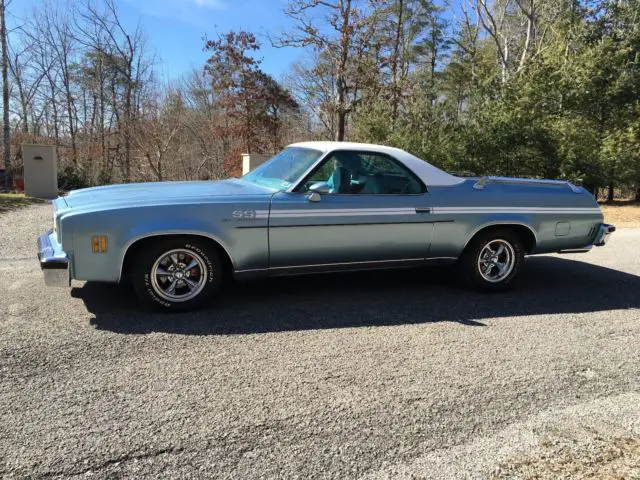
(27, 80)
(56, 30)
(124, 54)
(313, 84)
(343, 22)
(81, 80)
(158, 129)
(5, 95)
(493, 21)
(513, 26)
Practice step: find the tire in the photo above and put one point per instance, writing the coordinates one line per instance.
(481, 270)
(177, 274)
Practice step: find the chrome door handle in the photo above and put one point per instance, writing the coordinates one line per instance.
(423, 210)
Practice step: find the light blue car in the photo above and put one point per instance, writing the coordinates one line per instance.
(314, 207)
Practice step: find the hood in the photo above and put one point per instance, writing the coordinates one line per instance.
(161, 192)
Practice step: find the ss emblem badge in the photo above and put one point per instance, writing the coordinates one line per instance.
(244, 214)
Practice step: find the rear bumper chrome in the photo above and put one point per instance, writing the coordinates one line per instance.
(603, 234)
(601, 238)
(53, 261)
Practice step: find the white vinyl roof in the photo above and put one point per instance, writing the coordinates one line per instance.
(429, 174)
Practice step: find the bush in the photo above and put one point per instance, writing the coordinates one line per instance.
(104, 178)
(72, 177)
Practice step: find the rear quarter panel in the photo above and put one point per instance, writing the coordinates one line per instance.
(558, 217)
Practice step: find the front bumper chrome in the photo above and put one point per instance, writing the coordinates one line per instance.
(53, 261)
(604, 232)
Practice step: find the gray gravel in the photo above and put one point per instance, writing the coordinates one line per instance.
(380, 375)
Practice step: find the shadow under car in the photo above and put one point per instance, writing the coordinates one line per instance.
(548, 285)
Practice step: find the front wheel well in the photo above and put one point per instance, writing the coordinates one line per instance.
(525, 234)
(141, 244)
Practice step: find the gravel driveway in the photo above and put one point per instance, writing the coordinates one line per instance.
(385, 375)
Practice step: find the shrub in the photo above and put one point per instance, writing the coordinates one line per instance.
(71, 177)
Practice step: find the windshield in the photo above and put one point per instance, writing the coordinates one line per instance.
(283, 170)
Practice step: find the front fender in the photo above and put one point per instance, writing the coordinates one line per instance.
(142, 234)
(244, 240)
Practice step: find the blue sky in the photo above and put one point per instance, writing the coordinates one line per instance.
(175, 28)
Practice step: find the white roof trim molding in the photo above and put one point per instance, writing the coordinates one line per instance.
(430, 175)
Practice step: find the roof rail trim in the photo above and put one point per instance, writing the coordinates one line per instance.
(480, 184)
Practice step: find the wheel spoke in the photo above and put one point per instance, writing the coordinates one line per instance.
(190, 283)
(496, 260)
(192, 264)
(179, 275)
(502, 267)
(172, 288)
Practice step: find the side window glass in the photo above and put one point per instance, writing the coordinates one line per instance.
(366, 173)
(323, 173)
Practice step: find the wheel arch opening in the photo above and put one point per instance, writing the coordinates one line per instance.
(524, 232)
(141, 244)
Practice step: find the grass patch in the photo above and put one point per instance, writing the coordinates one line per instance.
(13, 201)
(622, 214)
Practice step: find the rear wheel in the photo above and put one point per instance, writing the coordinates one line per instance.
(177, 274)
(492, 261)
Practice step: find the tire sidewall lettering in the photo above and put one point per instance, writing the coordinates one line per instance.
(152, 293)
(212, 277)
(205, 257)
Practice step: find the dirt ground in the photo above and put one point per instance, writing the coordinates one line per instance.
(622, 214)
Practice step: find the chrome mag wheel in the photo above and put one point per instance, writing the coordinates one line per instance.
(496, 260)
(179, 275)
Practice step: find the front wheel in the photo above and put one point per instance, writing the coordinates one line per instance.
(177, 274)
(492, 260)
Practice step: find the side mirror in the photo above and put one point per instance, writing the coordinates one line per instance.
(316, 189)
(320, 187)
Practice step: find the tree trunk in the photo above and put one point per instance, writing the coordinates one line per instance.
(5, 99)
(341, 78)
(434, 61)
(103, 149)
(612, 183)
(342, 110)
(610, 192)
(342, 122)
(54, 107)
(396, 60)
(24, 103)
(72, 130)
(127, 131)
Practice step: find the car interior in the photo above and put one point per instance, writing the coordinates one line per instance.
(364, 173)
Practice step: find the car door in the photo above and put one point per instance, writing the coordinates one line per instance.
(376, 213)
